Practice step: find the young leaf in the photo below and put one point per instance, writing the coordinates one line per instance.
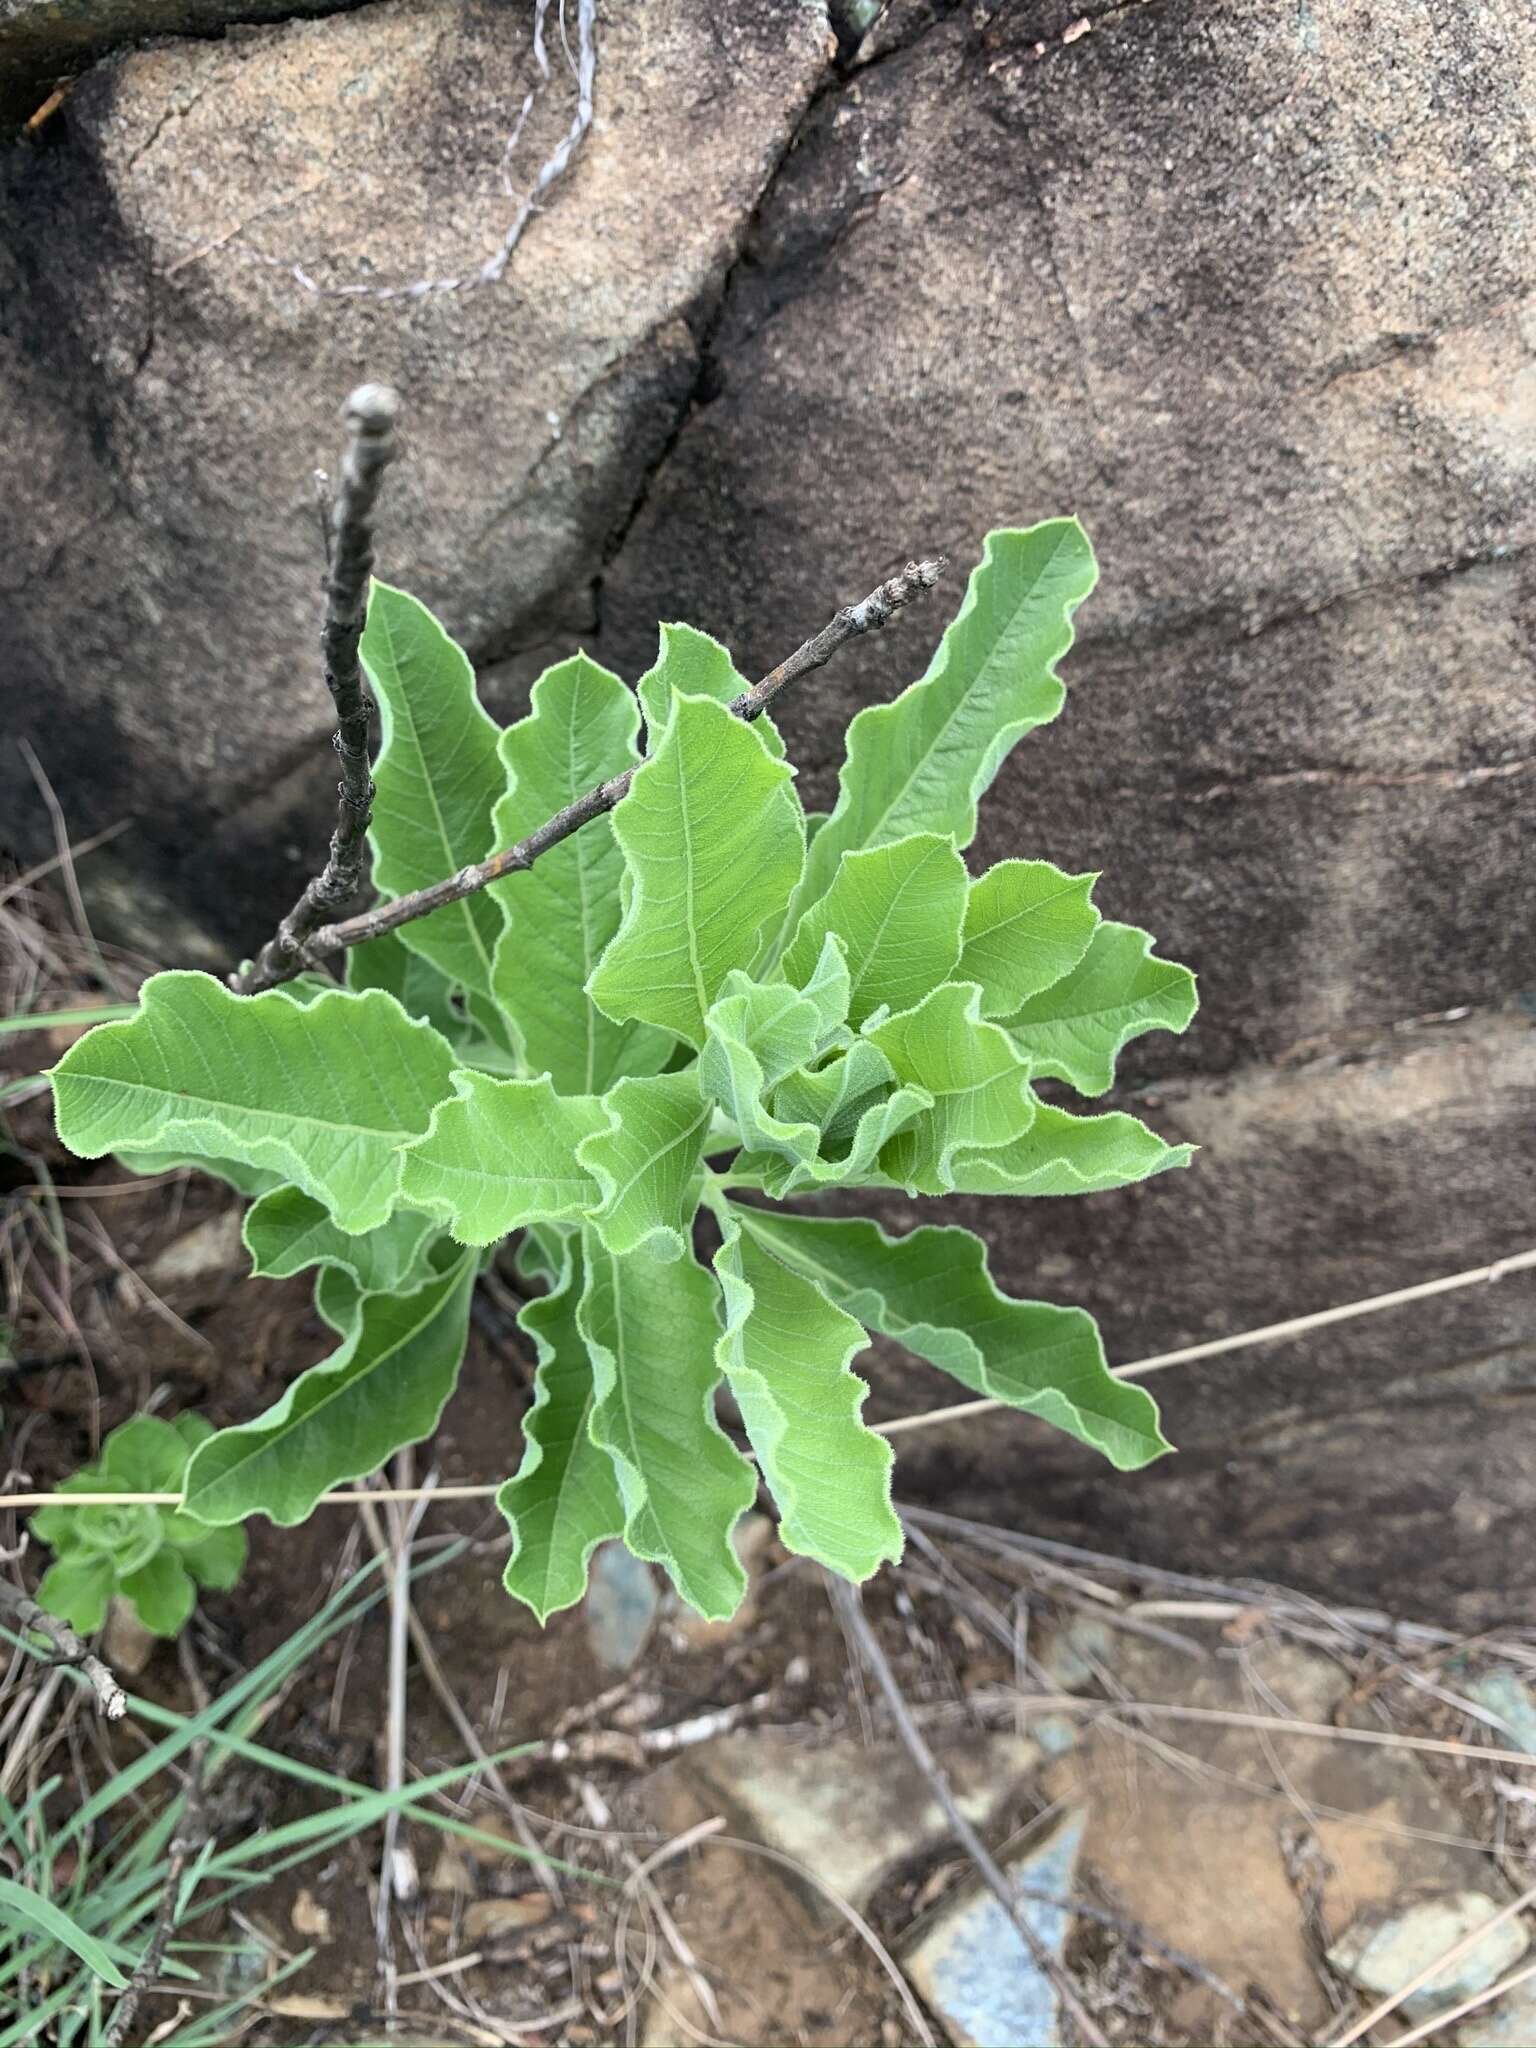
(691, 664)
(713, 837)
(77, 1587)
(650, 1331)
(501, 1154)
(163, 1593)
(564, 1500)
(646, 1162)
(143, 1455)
(979, 1085)
(898, 910)
(561, 913)
(755, 1035)
(787, 1353)
(919, 764)
(385, 1386)
(1061, 1154)
(438, 777)
(286, 1230)
(1074, 1030)
(324, 1093)
(1026, 925)
(931, 1291)
(214, 1557)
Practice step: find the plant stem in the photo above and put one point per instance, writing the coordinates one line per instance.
(67, 1648)
(370, 415)
(867, 616)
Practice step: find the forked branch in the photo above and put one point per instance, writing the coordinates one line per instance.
(370, 415)
(867, 616)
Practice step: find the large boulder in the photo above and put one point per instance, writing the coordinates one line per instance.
(173, 383)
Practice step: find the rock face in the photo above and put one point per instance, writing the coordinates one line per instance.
(1250, 288)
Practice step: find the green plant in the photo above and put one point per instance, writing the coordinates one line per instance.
(700, 1004)
(152, 1556)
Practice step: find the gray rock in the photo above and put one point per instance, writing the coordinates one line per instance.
(973, 1968)
(43, 40)
(853, 1815)
(1380, 1953)
(171, 385)
(210, 1250)
(620, 1606)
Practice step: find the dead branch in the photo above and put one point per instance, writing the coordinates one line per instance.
(66, 1648)
(370, 415)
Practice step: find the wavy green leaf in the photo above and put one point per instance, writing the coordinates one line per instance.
(1062, 1154)
(438, 777)
(931, 1292)
(650, 1330)
(564, 1499)
(919, 764)
(246, 1180)
(324, 1094)
(713, 839)
(502, 1154)
(286, 1230)
(1026, 925)
(691, 664)
(1074, 1030)
(646, 1161)
(898, 910)
(972, 1070)
(560, 915)
(787, 1353)
(385, 1386)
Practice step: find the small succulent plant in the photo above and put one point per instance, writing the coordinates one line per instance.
(152, 1556)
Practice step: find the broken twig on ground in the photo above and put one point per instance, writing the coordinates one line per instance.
(370, 415)
(867, 616)
(66, 1647)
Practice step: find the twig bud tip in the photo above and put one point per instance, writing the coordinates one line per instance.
(372, 409)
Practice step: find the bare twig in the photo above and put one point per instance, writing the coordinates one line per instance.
(185, 1844)
(67, 1648)
(851, 1610)
(370, 415)
(867, 616)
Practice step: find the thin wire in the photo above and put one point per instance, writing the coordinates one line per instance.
(1270, 1333)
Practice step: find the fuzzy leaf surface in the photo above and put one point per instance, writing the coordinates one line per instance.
(787, 1353)
(975, 1075)
(919, 764)
(438, 777)
(757, 1033)
(898, 909)
(502, 1154)
(646, 1162)
(560, 915)
(385, 1386)
(713, 838)
(650, 1331)
(931, 1291)
(856, 1109)
(1062, 1154)
(564, 1499)
(1074, 1030)
(323, 1093)
(286, 1230)
(689, 663)
(1026, 925)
